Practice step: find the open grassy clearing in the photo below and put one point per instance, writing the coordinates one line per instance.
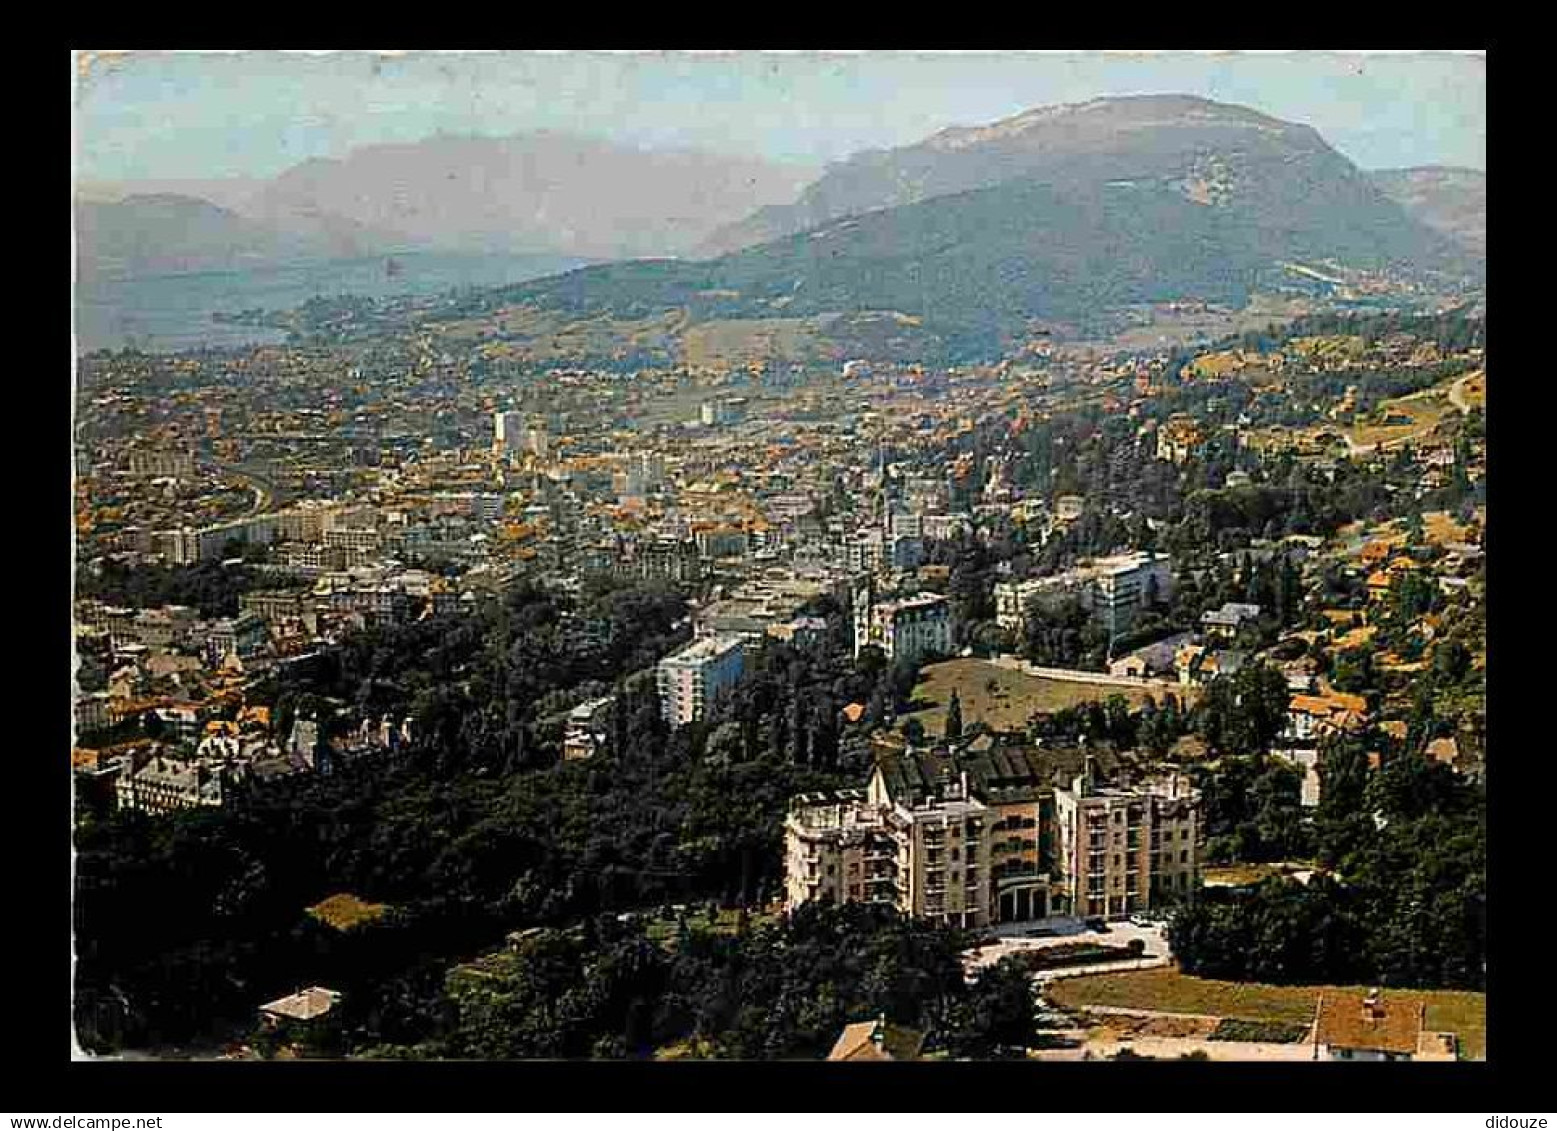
(1438, 528)
(1416, 416)
(1004, 699)
(746, 340)
(1329, 347)
(345, 911)
(1224, 364)
(1422, 412)
(1441, 528)
(663, 931)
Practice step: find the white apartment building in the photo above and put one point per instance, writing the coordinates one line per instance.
(1012, 599)
(906, 629)
(160, 785)
(163, 462)
(1124, 585)
(306, 522)
(185, 546)
(694, 677)
(944, 527)
(179, 546)
(506, 429)
(244, 636)
(1115, 589)
(274, 604)
(365, 540)
(866, 551)
(828, 836)
(722, 410)
(944, 851)
(646, 471)
(512, 432)
(588, 725)
(168, 626)
(902, 524)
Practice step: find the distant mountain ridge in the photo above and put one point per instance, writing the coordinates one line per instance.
(166, 233)
(958, 244)
(1154, 137)
(1058, 213)
(540, 192)
(534, 194)
(1450, 199)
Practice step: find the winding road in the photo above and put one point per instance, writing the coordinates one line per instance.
(1456, 398)
(1457, 392)
(264, 490)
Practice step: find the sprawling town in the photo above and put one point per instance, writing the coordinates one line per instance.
(1094, 590)
(996, 581)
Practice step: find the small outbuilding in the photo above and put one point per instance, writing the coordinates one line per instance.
(305, 1005)
(877, 1040)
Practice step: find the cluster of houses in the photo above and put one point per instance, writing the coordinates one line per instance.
(206, 760)
(170, 659)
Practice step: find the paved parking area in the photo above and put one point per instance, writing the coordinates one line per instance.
(1016, 938)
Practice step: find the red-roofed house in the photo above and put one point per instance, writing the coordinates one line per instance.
(877, 1040)
(1377, 1028)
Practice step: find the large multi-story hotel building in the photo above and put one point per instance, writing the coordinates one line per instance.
(1009, 834)
(1123, 850)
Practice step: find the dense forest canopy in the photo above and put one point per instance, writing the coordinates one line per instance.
(477, 827)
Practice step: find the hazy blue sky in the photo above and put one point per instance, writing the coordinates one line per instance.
(211, 115)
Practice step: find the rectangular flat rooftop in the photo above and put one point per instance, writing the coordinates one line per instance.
(706, 649)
